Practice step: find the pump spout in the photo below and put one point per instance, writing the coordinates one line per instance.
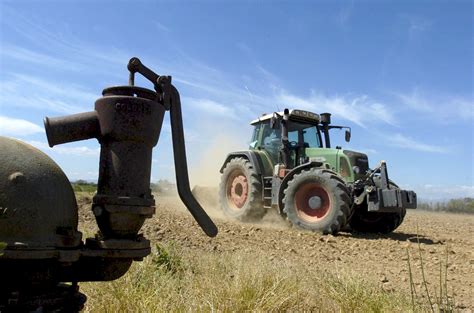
(71, 128)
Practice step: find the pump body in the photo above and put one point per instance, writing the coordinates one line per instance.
(127, 122)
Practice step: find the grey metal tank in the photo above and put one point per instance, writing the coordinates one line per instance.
(38, 209)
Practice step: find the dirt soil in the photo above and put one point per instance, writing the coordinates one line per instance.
(383, 259)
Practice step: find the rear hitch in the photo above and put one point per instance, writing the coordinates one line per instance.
(382, 196)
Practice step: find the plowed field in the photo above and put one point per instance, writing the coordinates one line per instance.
(434, 242)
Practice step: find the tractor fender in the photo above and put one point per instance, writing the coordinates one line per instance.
(289, 176)
(249, 155)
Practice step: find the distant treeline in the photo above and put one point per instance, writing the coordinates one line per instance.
(463, 205)
(162, 186)
(83, 186)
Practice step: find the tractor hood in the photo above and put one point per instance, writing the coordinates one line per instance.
(358, 159)
(325, 155)
(358, 162)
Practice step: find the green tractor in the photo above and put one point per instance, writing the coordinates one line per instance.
(315, 187)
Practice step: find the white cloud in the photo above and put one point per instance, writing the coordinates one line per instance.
(415, 101)
(344, 15)
(441, 108)
(222, 91)
(18, 127)
(417, 25)
(76, 151)
(43, 94)
(368, 151)
(245, 48)
(463, 108)
(26, 55)
(443, 192)
(399, 140)
(268, 76)
(60, 43)
(361, 110)
(162, 27)
(210, 107)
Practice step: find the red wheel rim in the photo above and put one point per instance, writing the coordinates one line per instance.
(312, 202)
(237, 191)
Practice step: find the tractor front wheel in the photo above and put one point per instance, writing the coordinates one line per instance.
(240, 191)
(317, 200)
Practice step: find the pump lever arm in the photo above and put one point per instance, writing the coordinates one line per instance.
(136, 66)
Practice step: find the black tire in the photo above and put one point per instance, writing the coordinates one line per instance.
(376, 222)
(240, 191)
(322, 189)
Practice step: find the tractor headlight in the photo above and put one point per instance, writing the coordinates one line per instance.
(356, 169)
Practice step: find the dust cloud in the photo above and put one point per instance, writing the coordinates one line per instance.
(205, 176)
(207, 172)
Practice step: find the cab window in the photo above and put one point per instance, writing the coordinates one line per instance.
(308, 131)
(310, 137)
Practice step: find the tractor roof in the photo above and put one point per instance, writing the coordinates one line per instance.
(294, 114)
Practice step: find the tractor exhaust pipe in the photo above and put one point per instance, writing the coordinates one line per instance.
(325, 121)
(285, 150)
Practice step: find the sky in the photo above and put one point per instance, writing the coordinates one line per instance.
(399, 73)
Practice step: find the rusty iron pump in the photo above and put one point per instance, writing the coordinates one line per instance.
(45, 256)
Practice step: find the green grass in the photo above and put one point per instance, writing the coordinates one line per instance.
(178, 280)
(3, 245)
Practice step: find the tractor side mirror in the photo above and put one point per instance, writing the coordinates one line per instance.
(348, 135)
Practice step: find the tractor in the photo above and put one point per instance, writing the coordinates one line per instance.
(315, 187)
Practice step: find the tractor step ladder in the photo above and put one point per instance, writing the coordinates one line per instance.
(267, 192)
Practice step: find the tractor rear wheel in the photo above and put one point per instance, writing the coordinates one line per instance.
(240, 191)
(376, 222)
(317, 200)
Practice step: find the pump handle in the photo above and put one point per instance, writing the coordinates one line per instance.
(181, 168)
(171, 100)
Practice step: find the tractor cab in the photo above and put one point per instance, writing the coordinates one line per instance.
(303, 132)
(294, 137)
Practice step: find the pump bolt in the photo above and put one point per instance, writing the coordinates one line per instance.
(133, 64)
(17, 178)
(163, 80)
(98, 210)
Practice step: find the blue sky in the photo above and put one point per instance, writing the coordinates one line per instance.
(400, 73)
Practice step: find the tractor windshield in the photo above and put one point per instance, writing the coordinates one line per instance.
(307, 134)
